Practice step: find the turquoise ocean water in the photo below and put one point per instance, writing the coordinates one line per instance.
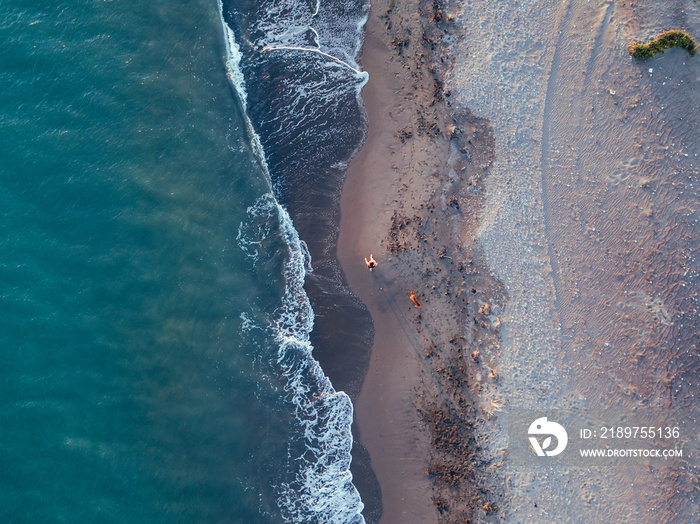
(154, 333)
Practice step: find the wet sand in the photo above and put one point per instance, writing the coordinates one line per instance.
(387, 421)
(551, 237)
(404, 201)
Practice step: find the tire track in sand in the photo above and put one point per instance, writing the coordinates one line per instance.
(554, 77)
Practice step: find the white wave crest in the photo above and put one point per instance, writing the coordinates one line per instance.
(237, 79)
(233, 59)
(322, 489)
(327, 489)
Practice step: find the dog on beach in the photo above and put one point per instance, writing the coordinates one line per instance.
(414, 299)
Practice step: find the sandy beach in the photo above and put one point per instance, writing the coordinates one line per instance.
(404, 202)
(537, 188)
(387, 420)
(586, 224)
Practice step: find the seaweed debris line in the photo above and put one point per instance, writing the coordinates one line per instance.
(416, 189)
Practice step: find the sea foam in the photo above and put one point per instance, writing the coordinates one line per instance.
(321, 488)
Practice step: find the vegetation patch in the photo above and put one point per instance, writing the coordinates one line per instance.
(662, 42)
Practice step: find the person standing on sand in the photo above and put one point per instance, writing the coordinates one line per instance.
(371, 263)
(414, 299)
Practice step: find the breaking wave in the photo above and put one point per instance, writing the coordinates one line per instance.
(300, 56)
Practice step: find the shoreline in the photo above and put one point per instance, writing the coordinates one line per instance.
(388, 428)
(403, 201)
(377, 428)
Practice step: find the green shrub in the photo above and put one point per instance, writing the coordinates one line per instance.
(661, 43)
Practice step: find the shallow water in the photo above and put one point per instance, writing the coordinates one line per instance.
(147, 298)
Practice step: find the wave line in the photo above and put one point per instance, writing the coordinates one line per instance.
(335, 58)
